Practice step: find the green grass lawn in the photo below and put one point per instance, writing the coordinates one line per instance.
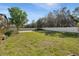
(39, 44)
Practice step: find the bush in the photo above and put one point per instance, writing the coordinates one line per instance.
(8, 33)
(67, 34)
(62, 34)
(39, 29)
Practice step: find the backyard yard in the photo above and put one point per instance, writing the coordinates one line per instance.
(40, 44)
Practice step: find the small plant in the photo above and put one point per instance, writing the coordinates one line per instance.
(8, 33)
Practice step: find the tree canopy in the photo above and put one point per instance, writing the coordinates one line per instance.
(18, 16)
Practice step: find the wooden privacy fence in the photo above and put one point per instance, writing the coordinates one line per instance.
(63, 29)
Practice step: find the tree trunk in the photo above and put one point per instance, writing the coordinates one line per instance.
(17, 30)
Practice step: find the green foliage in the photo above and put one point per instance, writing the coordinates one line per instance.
(67, 34)
(78, 24)
(8, 33)
(18, 16)
(62, 34)
(76, 14)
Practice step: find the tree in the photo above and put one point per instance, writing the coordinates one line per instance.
(39, 23)
(64, 18)
(58, 18)
(50, 19)
(33, 24)
(76, 15)
(18, 17)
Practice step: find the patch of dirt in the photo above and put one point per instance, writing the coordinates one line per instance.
(45, 43)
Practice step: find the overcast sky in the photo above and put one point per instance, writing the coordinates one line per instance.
(36, 10)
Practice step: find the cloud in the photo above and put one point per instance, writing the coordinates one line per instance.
(46, 6)
(50, 4)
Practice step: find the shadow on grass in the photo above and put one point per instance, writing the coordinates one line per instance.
(59, 34)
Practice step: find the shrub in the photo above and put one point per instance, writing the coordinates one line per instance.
(8, 33)
(67, 34)
(39, 29)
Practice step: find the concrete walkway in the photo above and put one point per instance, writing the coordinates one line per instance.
(24, 31)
